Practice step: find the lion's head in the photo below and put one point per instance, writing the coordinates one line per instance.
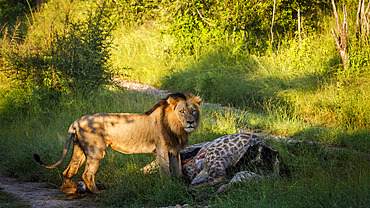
(183, 109)
(181, 113)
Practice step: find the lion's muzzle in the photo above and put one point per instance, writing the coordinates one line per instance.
(190, 126)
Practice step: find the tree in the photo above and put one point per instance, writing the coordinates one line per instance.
(341, 38)
(362, 22)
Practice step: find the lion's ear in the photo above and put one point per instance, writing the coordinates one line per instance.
(196, 100)
(172, 101)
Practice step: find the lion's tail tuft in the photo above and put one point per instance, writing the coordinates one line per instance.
(37, 158)
(65, 151)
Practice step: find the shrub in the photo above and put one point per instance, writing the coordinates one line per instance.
(72, 59)
(81, 52)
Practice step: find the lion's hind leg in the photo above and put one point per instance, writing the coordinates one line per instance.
(78, 158)
(92, 165)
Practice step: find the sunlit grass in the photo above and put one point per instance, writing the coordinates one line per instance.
(308, 171)
(143, 54)
(299, 93)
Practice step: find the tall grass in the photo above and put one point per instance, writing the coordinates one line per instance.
(304, 82)
(37, 128)
(304, 89)
(143, 53)
(300, 92)
(310, 174)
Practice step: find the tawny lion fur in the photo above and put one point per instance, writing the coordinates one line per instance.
(163, 131)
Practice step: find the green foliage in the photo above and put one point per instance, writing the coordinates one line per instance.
(246, 24)
(69, 58)
(143, 53)
(137, 12)
(217, 49)
(80, 53)
(10, 10)
(305, 83)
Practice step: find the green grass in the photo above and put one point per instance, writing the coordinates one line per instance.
(297, 83)
(142, 54)
(301, 93)
(305, 83)
(310, 175)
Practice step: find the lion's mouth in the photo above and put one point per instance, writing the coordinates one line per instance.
(189, 129)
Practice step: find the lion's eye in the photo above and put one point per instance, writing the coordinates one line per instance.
(194, 112)
(182, 111)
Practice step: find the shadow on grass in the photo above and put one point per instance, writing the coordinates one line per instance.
(337, 138)
(244, 83)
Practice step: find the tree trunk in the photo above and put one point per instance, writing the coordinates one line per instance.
(341, 38)
(299, 28)
(272, 25)
(362, 22)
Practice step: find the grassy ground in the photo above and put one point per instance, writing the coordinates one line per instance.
(312, 176)
(302, 93)
(303, 85)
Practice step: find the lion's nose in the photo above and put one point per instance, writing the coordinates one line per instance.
(190, 122)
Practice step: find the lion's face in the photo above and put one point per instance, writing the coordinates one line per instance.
(187, 112)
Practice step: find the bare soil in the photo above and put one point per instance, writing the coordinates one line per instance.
(41, 195)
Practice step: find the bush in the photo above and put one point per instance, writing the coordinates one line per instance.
(81, 52)
(71, 59)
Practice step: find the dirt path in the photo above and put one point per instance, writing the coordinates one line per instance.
(141, 87)
(40, 195)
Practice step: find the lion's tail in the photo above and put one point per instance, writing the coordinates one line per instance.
(71, 134)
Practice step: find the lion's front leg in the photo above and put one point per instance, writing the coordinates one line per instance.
(163, 161)
(175, 165)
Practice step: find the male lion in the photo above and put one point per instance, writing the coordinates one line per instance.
(163, 131)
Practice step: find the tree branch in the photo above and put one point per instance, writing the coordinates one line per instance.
(204, 18)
